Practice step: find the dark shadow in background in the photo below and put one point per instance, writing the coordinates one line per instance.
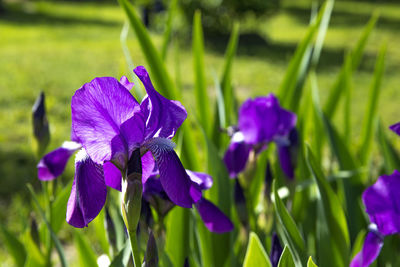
(255, 45)
(18, 16)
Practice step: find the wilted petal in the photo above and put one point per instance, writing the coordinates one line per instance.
(99, 108)
(126, 83)
(53, 164)
(163, 116)
(370, 251)
(214, 219)
(382, 202)
(236, 156)
(203, 180)
(262, 120)
(112, 175)
(396, 128)
(89, 191)
(173, 176)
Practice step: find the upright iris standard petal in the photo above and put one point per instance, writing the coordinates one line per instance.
(53, 164)
(99, 108)
(163, 116)
(382, 202)
(112, 176)
(370, 251)
(173, 176)
(214, 219)
(262, 120)
(236, 156)
(396, 128)
(89, 191)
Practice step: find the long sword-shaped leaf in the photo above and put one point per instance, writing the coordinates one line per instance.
(369, 123)
(200, 86)
(87, 257)
(288, 231)
(286, 259)
(291, 87)
(356, 54)
(56, 241)
(168, 28)
(339, 243)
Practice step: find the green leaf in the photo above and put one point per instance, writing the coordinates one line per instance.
(347, 87)
(59, 208)
(337, 231)
(14, 246)
(34, 253)
(168, 28)
(101, 235)
(286, 259)
(291, 87)
(122, 258)
(369, 122)
(177, 235)
(288, 231)
(56, 241)
(356, 54)
(358, 243)
(391, 157)
(156, 64)
(87, 257)
(310, 263)
(200, 85)
(255, 254)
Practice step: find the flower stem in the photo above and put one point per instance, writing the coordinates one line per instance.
(132, 202)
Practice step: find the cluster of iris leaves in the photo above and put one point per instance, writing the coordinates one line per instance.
(317, 218)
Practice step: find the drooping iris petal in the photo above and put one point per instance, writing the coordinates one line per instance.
(236, 156)
(369, 252)
(203, 180)
(163, 116)
(396, 128)
(99, 108)
(126, 83)
(112, 175)
(173, 176)
(53, 164)
(214, 219)
(382, 202)
(262, 120)
(89, 191)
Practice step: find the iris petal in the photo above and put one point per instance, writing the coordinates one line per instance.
(396, 128)
(53, 164)
(173, 176)
(382, 202)
(163, 116)
(148, 166)
(203, 180)
(262, 120)
(112, 175)
(126, 83)
(214, 219)
(99, 108)
(370, 251)
(236, 155)
(89, 191)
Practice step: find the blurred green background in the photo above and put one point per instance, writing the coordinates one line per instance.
(57, 46)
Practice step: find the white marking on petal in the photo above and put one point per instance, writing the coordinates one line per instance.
(71, 145)
(159, 146)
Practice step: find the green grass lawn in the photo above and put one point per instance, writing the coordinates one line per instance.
(58, 46)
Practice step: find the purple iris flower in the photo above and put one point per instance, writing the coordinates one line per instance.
(396, 128)
(109, 124)
(261, 121)
(381, 201)
(214, 219)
